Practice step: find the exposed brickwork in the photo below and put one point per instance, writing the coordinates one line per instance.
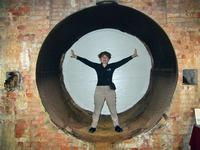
(24, 24)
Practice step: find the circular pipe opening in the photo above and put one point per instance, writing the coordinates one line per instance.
(56, 98)
(132, 79)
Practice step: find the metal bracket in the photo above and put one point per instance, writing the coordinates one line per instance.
(104, 2)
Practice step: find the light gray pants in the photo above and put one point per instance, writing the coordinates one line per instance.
(102, 94)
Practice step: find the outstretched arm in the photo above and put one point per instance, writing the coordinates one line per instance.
(125, 60)
(83, 60)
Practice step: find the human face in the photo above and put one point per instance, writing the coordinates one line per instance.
(104, 59)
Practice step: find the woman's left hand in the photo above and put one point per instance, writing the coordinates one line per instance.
(135, 53)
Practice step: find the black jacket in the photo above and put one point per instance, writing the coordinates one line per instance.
(104, 74)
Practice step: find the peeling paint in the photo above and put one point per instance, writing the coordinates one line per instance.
(24, 57)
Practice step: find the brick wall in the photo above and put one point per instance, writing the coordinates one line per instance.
(24, 24)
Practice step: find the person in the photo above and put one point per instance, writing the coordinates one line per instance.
(105, 88)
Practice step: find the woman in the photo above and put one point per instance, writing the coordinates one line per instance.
(105, 89)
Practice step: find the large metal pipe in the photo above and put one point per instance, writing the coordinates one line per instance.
(56, 99)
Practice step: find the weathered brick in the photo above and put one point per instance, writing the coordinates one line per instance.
(20, 128)
(19, 10)
(25, 24)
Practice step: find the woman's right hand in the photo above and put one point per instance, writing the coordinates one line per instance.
(73, 55)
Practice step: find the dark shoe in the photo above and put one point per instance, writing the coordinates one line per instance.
(92, 130)
(118, 129)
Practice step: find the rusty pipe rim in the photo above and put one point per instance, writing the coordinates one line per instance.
(57, 101)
